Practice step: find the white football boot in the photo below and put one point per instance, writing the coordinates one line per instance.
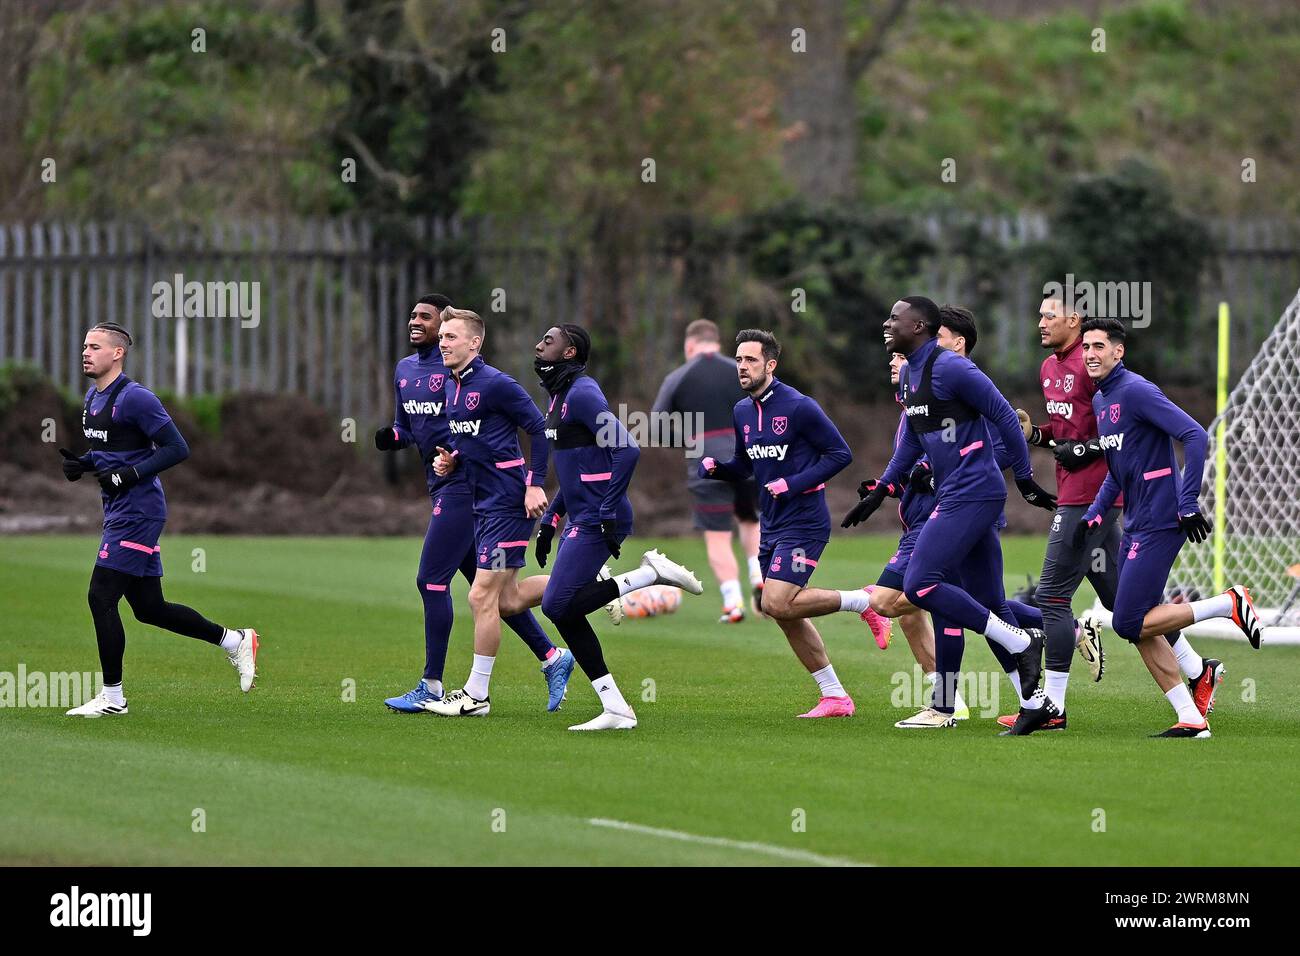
(670, 572)
(244, 659)
(459, 704)
(927, 719)
(98, 706)
(1089, 644)
(608, 720)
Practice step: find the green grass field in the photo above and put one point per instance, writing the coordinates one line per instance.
(294, 773)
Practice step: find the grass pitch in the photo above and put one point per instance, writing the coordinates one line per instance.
(310, 768)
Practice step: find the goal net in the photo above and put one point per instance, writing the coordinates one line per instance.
(1254, 504)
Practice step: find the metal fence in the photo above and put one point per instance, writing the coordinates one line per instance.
(332, 297)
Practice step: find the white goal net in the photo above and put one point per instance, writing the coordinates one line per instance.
(1259, 508)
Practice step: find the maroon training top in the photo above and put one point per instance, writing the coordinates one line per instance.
(1068, 391)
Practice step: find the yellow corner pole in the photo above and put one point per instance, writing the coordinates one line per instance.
(1221, 451)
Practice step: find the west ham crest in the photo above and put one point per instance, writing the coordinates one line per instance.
(435, 383)
(1069, 383)
(778, 425)
(471, 401)
(1114, 414)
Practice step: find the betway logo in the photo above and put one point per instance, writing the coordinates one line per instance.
(412, 407)
(767, 451)
(918, 410)
(552, 434)
(1064, 409)
(465, 428)
(1113, 441)
(100, 433)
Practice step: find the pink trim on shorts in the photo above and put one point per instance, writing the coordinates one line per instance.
(510, 464)
(952, 631)
(435, 587)
(1147, 476)
(602, 476)
(138, 547)
(924, 591)
(512, 544)
(973, 446)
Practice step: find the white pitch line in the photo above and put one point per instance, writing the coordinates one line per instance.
(803, 856)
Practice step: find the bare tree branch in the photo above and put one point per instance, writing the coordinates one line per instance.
(404, 185)
(862, 54)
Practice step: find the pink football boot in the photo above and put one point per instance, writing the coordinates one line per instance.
(881, 629)
(832, 707)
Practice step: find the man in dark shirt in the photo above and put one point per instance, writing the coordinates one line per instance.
(132, 440)
(704, 391)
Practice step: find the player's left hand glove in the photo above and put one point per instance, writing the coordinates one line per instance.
(1194, 525)
(73, 467)
(609, 531)
(1073, 455)
(921, 480)
(1081, 532)
(114, 482)
(544, 536)
(1035, 495)
(386, 439)
(872, 493)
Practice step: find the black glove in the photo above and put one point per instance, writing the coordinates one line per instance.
(386, 439)
(1035, 436)
(609, 531)
(1081, 532)
(1194, 526)
(871, 493)
(544, 536)
(114, 482)
(1073, 455)
(1035, 495)
(921, 480)
(73, 467)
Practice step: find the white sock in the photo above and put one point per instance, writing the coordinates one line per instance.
(434, 687)
(1012, 638)
(932, 678)
(1014, 677)
(114, 693)
(230, 640)
(635, 579)
(856, 601)
(1188, 659)
(479, 676)
(609, 695)
(1181, 699)
(828, 683)
(1056, 681)
(755, 572)
(1218, 606)
(731, 594)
